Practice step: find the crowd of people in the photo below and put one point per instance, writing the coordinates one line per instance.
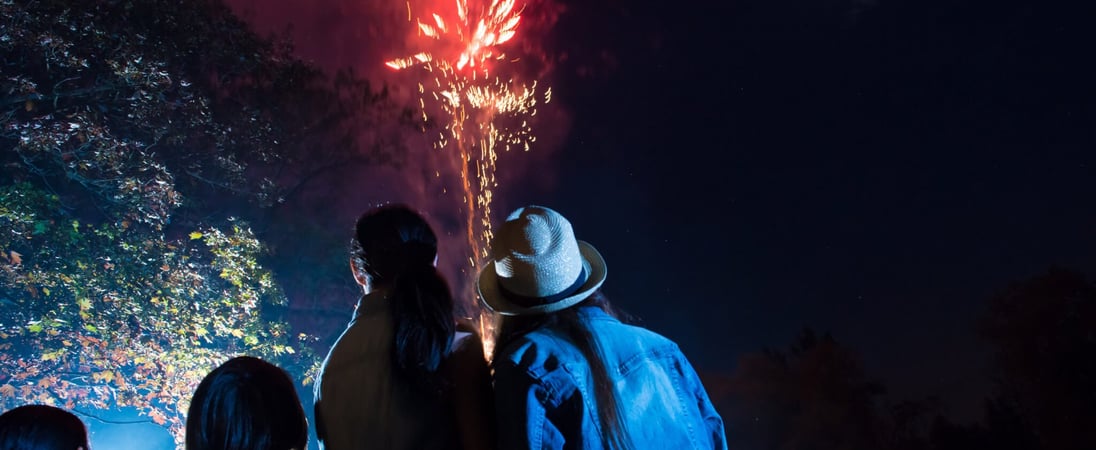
(566, 372)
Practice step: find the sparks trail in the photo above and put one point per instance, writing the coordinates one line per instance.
(460, 61)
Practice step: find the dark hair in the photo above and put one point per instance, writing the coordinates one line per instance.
(41, 427)
(395, 246)
(610, 416)
(246, 404)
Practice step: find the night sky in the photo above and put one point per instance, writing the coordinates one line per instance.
(871, 168)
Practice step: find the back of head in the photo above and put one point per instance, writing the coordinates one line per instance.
(391, 239)
(41, 427)
(539, 275)
(246, 404)
(395, 247)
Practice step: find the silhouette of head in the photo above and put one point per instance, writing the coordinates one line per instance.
(41, 427)
(246, 404)
(391, 240)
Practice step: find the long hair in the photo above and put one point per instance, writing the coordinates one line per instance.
(614, 434)
(395, 246)
(41, 427)
(246, 404)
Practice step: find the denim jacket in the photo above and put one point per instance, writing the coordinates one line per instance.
(545, 399)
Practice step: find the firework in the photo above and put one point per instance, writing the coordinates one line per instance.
(482, 112)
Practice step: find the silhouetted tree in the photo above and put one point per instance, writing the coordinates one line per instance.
(814, 396)
(1044, 333)
(1002, 429)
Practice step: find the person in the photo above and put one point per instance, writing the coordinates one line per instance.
(400, 376)
(42, 427)
(567, 372)
(246, 404)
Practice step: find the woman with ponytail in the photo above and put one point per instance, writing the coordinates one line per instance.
(401, 376)
(567, 373)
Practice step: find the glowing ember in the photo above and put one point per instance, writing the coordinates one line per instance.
(483, 112)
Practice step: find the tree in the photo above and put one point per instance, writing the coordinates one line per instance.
(140, 130)
(100, 316)
(1044, 333)
(94, 92)
(813, 396)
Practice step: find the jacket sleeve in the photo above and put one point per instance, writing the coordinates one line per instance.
(708, 414)
(522, 413)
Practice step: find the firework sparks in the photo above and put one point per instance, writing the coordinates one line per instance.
(482, 112)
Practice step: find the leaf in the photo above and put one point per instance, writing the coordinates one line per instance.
(35, 327)
(84, 303)
(53, 356)
(107, 376)
(91, 328)
(46, 291)
(7, 390)
(16, 258)
(157, 417)
(195, 235)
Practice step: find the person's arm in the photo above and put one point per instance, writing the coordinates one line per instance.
(711, 418)
(521, 414)
(321, 425)
(473, 402)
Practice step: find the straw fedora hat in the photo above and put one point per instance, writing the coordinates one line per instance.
(538, 266)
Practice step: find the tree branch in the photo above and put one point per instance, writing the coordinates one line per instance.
(112, 422)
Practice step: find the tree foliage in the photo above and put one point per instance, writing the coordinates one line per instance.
(101, 316)
(136, 131)
(135, 101)
(1043, 330)
(815, 395)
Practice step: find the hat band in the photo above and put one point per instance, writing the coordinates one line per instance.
(527, 301)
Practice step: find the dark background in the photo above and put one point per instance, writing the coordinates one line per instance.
(873, 169)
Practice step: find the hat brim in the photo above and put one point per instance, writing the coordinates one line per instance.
(488, 287)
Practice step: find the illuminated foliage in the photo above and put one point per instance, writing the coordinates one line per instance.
(107, 316)
(130, 128)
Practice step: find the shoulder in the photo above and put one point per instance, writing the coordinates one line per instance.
(466, 352)
(625, 338)
(540, 363)
(366, 339)
(536, 353)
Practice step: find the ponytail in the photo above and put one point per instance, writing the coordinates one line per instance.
(395, 247)
(422, 312)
